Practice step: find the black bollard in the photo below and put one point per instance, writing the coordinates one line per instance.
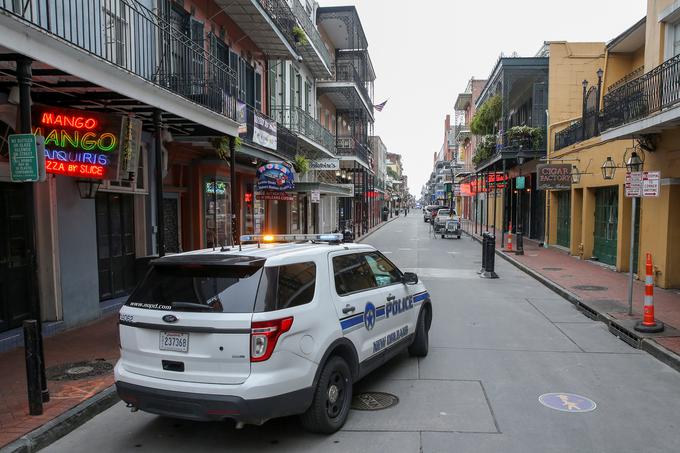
(489, 269)
(484, 242)
(33, 367)
(520, 242)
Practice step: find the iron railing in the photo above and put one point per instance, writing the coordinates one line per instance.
(346, 72)
(281, 14)
(128, 35)
(312, 33)
(652, 92)
(286, 141)
(302, 123)
(627, 78)
(349, 146)
(569, 135)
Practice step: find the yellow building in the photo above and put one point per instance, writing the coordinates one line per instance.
(637, 109)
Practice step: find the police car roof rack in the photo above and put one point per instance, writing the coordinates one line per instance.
(330, 238)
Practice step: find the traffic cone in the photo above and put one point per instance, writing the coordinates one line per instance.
(648, 324)
(509, 249)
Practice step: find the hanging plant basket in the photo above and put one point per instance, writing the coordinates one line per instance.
(221, 145)
(299, 36)
(300, 164)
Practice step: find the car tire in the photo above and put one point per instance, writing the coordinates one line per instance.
(443, 236)
(421, 343)
(332, 398)
(458, 237)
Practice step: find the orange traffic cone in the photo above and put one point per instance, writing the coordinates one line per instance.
(510, 238)
(648, 324)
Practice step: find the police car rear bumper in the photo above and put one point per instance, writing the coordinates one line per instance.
(206, 407)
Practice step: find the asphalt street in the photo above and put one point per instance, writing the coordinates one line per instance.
(495, 347)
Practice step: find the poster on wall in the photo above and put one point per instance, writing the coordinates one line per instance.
(264, 131)
(79, 142)
(276, 177)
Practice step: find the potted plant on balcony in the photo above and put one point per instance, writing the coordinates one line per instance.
(300, 36)
(486, 118)
(221, 145)
(525, 136)
(300, 164)
(485, 149)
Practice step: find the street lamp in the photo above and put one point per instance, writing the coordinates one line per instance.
(575, 175)
(608, 168)
(88, 188)
(634, 163)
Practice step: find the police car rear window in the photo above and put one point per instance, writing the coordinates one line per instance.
(198, 288)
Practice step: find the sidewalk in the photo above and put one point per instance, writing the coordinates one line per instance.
(95, 343)
(600, 288)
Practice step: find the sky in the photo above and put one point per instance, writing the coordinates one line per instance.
(425, 52)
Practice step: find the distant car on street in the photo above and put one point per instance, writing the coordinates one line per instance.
(281, 327)
(447, 223)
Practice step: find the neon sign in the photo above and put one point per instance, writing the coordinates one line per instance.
(79, 142)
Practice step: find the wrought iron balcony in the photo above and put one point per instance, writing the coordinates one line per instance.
(346, 72)
(315, 46)
(286, 141)
(302, 123)
(281, 14)
(579, 131)
(133, 38)
(349, 146)
(652, 92)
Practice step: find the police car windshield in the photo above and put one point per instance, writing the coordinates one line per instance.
(229, 289)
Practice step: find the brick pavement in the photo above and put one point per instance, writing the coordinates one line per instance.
(98, 340)
(611, 297)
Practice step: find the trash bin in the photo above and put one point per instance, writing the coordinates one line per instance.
(385, 214)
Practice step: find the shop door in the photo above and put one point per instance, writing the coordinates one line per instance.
(14, 264)
(115, 244)
(563, 218)
(606, 222)
(171, 223)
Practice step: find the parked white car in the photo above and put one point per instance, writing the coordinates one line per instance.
(447, 223)
(266, 330)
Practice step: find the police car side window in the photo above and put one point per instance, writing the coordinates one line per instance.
(352, 274)
(286, 286)
(385, 273)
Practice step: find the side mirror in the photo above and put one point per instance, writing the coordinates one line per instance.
(410, 278)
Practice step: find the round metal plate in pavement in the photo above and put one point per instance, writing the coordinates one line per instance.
(590, 288)
(78, 370)
(373, 401)
(567, 402)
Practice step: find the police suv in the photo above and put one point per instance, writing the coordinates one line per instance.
(283, 326)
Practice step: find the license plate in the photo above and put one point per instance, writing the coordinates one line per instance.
(174, 341)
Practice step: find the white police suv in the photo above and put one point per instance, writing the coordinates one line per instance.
(280, 327)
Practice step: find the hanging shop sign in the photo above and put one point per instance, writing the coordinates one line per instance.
(277, 196)
(324, 164)
(520, 182)
(553, 177)
(131, 143)
(242, 118)
(278, 177)
(264, 131)
(83, 143)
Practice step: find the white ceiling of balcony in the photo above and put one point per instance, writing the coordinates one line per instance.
(337, 32)
(313, 61)
(344, 95)
(256, 23)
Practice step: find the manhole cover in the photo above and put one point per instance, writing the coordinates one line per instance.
(552, 268)
(373, 401)
(78, 370)
(567, 402)
(590, 288)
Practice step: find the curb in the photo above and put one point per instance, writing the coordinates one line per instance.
(63, 424)
(376, 229)
(626, 335)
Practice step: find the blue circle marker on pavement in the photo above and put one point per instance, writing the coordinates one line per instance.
(567, 402)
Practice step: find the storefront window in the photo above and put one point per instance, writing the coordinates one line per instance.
(217, 211)
(253, 211)
(295, 216)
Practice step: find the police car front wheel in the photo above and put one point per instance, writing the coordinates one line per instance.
(332, 398)
(421, 343)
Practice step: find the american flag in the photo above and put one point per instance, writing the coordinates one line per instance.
(380, 106)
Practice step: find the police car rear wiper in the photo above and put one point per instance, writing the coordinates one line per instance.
(191, 306)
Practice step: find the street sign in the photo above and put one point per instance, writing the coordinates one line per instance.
(316, 196)
(519, 182)
(633, 184)
(651, 183)
(23, 158)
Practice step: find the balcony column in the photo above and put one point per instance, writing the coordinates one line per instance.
(160, 218)
(234, 193)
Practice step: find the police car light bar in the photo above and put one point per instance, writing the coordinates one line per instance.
(269, 238)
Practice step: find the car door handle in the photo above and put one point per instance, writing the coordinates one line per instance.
(390, 297)
(348, 309)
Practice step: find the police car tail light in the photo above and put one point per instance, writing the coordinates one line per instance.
(264, 335)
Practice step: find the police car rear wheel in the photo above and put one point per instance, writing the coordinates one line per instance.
(332, 398)
(421, 343)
